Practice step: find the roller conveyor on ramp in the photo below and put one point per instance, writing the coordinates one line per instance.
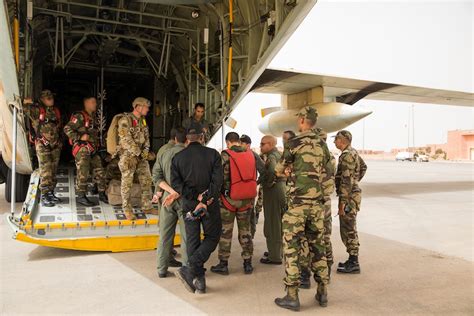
(69, 225)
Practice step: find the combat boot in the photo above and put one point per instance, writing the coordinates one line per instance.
(103, 197)
(83, 200)
(173, 263)
(185, 275)
(46, 200)
(54, 198)
(248, 269)
(200, 284)
(221, 268)
(351, 266)
(322, 295)
(291, 300)
(305, 282)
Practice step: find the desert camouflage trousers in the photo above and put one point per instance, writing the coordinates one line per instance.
(245, 237)
(48, 159)
(129, 165)
(305, 254)
(85, 163)
(348, 225)
(304, 221)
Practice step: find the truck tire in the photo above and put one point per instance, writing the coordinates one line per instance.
(22, 183)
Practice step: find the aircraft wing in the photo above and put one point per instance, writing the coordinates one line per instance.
(349, 91)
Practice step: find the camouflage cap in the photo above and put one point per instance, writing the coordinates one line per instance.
(309, 113)
(346, 134)
(141, 101)
(46, 94)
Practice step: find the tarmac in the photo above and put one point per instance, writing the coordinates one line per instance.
(416, 235)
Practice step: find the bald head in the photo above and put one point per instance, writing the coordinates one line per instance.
(267, 144)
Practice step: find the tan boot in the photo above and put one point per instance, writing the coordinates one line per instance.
(129, 215)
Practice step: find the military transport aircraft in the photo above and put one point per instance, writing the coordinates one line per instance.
(175, 53)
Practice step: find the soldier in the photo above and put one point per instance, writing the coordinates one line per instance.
(46, 128)
(350, 170)
(196, 175)
(274, 202)
(232, 208)
(259, 200)
(158, 191)
(198, 118)
(171, 211)
(134, 147)
(329, 163)
(305, 214)
(84, 137)
(246, 143)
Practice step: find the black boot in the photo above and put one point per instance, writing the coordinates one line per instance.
(103, 197)
(221, 268)
(351, 266)
(175, 263)
(200, 284)
(54, 198)
(187, 277)
(83, 200)
(305, 282)
(322, 295)
(46, 200)
(291, 300)
(248, 269)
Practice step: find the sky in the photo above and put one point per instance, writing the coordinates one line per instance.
(419, 43)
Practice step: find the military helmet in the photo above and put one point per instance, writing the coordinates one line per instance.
(141, 101)
(309, 113)
(345, 134)
(46, 94)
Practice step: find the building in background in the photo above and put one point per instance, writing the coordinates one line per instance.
(460, 146)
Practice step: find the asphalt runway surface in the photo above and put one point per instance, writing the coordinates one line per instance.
(416, 234)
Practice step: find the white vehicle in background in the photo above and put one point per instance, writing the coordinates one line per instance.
(404, 156)
(422, 158)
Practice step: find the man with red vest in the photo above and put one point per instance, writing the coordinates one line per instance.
(239, 190)
(84, 138)
(45, 132)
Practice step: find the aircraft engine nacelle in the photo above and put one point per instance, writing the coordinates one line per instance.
(332, 116)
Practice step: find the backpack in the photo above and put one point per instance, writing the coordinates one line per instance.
(112, 134)
(243, 175)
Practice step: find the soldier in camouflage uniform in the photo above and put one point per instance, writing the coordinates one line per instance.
(46, 133)
(259, 202)
(134, 147)
(350, 170)
(305, 214)
(235, 209)
(84, 137)
(327, 184)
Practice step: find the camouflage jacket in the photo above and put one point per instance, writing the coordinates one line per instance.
(134, 137)
(271, 161)
(329, 167)
(76, 128)
(306, 156)
(49, 127)
(349, 173)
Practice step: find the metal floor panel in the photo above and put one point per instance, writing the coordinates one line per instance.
(68, 210)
